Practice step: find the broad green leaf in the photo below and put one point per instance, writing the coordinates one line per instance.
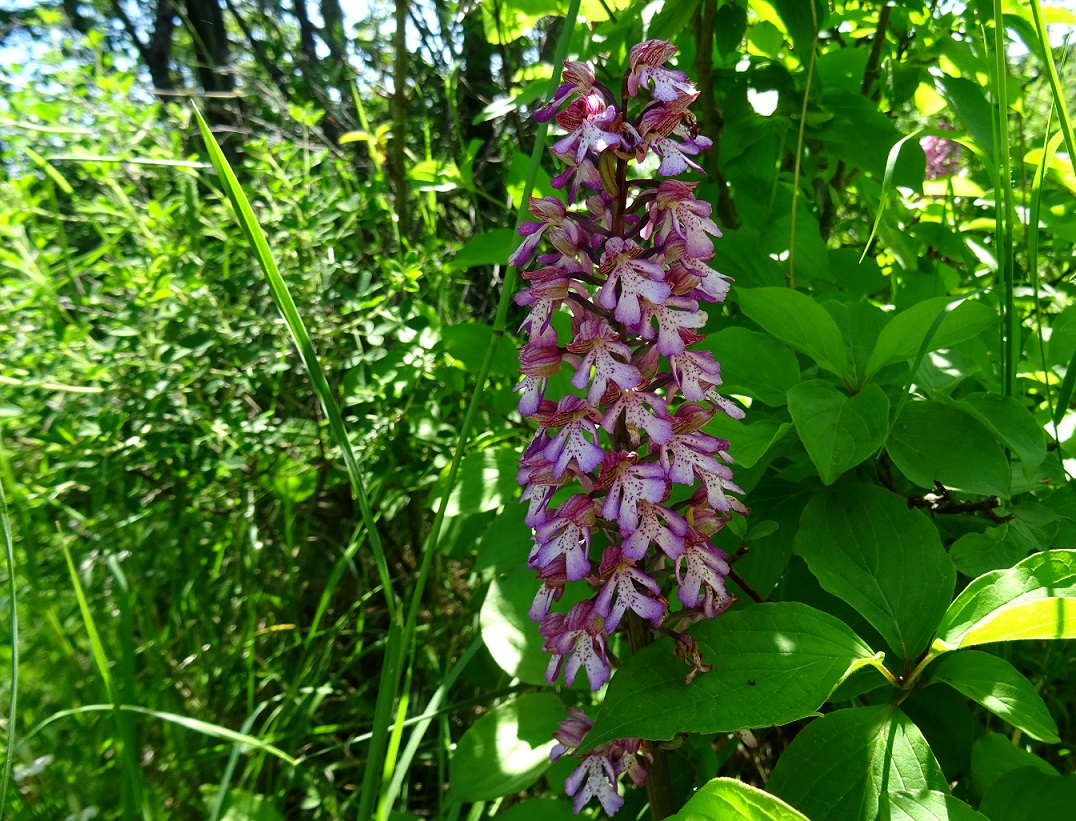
(948, 722)
(742, 353)
(862, 137)
(930, 805)
(240, 805)
(835, 769)
(937, 442)
(974, 554)
(489, 248)
(995, 756)
(539, 809)
(509, 20)
(486, 481)
(838, 430)
(967, 101)
(773, 663)
(510, 636)
(1029, 795)
(902, 337)
(469, 341)
(859, 323)
(1036, 599)
(1012, 423)
(672, 19)
(866, 546)
(796, 320)
(749, 441)
(728, 799)
(1000, 688)
(730, 25)
(506, 750)
(799, 21)
(811, 258)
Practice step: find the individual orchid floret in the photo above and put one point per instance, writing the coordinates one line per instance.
(570, 733)
(567, 534)
(629, 279)
(577, 640)
(692, 277)
(627, 588)
(700, 574)
(593, 127)
(538, 362)
(609, 358)
(646, 68)
(676, 212)
(671, 316)
(630, 481)
(657, 127)
(554, 576)
(631, 406)
(595, 778)
(577, 439)
(577, 78)
(552, 217)
(650, 530)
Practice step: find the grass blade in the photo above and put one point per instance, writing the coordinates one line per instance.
(193, 724)
(1055, 81)
(282, 295)
(9, 554)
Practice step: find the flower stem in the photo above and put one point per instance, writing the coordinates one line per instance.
(658, 786)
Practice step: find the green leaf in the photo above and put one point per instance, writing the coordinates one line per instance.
(539, 809)
(486, 481)
(469, 341)
(1012, 423)
(864, 545)
(749, 442)
(937, 442)
(671, 19)
(838, 430)
(730, 25)
(1036, 599)
(972, 109)
(1000, 688)
(508, 633)
(728, 799)
(799, 21)
(930, 805)
(796, 320)
(740, 351)
(902, 337)
(994, 756)
(506, 750)
(862, 137)
(837, 768)
(241, 805)
(860, 324)
(489, 248)
(773, 663)
(1029, 795)
(996, 548)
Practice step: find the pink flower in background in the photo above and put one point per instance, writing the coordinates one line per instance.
(943, 155)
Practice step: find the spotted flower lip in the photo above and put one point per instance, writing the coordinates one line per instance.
(625, 488)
